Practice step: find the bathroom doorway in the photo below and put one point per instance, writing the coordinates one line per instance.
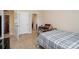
(34, 23)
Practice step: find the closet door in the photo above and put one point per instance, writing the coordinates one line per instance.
(24, 22)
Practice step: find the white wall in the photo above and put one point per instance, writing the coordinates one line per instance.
(65, 20)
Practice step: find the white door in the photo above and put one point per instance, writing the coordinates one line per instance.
(22, 23)
(25, 22)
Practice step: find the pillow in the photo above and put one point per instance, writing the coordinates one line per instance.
(51, 28)
(46, 26)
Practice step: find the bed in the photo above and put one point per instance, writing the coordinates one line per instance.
(58, 39)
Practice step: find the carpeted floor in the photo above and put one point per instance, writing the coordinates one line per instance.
(25, 41)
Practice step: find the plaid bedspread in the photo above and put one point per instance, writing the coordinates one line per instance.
(59, 39)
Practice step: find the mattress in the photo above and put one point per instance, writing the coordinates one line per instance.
(58, 39)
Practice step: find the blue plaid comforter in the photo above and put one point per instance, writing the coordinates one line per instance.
(58, 39)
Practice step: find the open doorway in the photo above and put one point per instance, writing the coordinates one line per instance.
(9, 22)
(34, 23)
(6, 24)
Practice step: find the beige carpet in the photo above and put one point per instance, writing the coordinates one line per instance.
(26, 41)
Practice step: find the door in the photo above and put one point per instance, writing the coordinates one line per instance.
(24, 22)
(6, 24)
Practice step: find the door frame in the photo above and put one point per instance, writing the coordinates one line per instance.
(36, 19)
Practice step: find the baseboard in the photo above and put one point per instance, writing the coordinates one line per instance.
(25, 34)
(11, 34)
